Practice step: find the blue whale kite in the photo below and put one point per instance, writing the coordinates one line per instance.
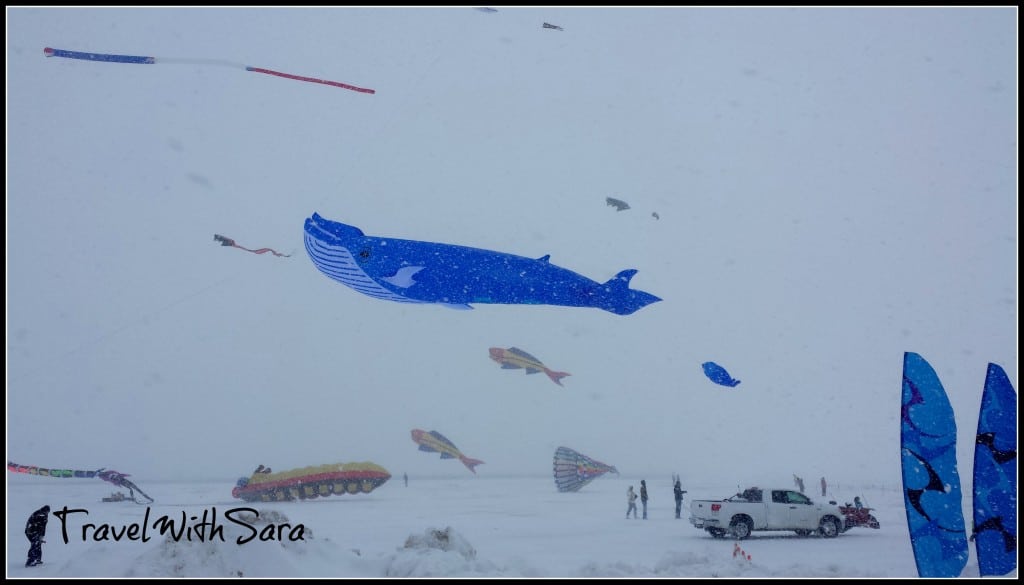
(718, 375)
(409, 271)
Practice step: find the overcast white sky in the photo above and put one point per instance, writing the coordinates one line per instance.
(835, 187)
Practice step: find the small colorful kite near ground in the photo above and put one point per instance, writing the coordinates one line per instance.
(573, 470)
(115, 477)
(225, 241)
(310, 482)
(140, 60)
(718, 375)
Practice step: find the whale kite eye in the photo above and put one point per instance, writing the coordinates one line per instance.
(364, 254)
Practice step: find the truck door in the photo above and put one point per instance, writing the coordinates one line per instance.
(803, 512)
(779, 512)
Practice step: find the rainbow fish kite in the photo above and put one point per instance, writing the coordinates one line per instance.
(435, 442)
(513, 358)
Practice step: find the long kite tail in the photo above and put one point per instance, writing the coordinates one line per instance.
(310, 79)
(225, 241)
(144, 60)
(49, 472)
(265, 250)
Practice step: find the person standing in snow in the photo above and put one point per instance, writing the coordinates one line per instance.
(824, 486)
(35, 530)
(678, 491)
(643, 496)
(631, 498)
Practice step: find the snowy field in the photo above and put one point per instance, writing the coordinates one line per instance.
(497, 527)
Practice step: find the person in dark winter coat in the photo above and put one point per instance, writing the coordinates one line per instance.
(678, 491)
(35, 530)
(643, 496)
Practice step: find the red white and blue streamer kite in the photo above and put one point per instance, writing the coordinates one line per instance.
(50, 52)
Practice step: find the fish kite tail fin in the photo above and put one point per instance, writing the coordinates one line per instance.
(556, 377)
(622, 300)
(470, 463)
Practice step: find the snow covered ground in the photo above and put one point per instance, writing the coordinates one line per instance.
(496, 527)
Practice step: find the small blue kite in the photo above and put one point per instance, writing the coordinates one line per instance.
(718, 375)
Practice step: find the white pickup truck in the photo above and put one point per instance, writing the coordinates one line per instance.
(766, 509)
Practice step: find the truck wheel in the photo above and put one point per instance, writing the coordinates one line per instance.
(829, 527)
(741, 527)
(716, 532)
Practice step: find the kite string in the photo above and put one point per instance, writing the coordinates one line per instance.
(187, 61)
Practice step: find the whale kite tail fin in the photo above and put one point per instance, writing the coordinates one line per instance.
(623, 300)
(556, 377)
(470, 462)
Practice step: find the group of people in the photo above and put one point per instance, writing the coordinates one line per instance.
(631, 496)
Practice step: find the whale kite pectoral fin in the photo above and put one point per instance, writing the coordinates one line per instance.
(457, 306)
(403, 278)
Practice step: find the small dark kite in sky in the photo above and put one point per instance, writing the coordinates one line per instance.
(618, 204)
(225, 241)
